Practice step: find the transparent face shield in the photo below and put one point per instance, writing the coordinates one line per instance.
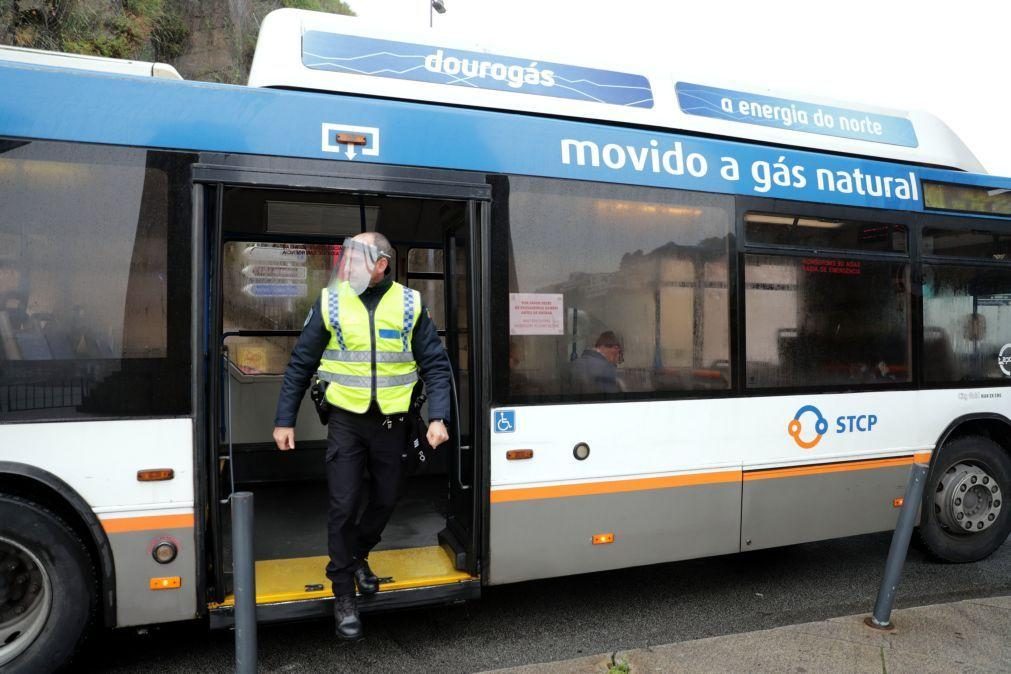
(356, 265)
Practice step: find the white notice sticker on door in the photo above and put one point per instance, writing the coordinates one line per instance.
(536, 314)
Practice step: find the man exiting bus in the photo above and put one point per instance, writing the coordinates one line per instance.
(366, 338)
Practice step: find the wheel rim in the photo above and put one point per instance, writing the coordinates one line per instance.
(25, 599)
(968, 499)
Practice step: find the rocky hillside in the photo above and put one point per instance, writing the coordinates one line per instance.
(211, 40)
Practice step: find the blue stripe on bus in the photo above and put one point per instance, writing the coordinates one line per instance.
(122, 110)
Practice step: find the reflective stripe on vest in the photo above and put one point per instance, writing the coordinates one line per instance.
(366, 356)
(348, 363)
(358, 381)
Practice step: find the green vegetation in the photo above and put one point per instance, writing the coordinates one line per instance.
(137, 29)
(618, 666)
(331, 6)
(212, 39)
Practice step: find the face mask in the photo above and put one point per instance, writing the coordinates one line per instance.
(359, 278)
(357, 264)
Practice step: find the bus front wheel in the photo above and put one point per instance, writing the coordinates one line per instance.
(964, 517)
(48, 596)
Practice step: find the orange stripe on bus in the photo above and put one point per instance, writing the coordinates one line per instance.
(613, 487)
(922, 457)
(820, 469)
(120, 525)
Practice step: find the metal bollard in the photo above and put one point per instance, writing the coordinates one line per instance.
(244, 577)
(881, 618)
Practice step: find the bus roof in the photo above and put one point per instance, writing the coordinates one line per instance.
(328, 52)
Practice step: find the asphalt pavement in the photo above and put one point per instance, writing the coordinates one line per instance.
(579, 616)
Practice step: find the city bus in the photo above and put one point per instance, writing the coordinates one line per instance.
(782, 302)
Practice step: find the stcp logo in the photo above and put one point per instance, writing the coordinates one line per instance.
(815, 421)
(809, 425)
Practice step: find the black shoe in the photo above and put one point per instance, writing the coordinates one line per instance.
(366, 580)
(345, 612)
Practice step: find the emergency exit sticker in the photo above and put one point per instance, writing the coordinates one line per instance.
(536, 314)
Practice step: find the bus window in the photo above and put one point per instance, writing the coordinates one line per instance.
(972, 243)
(615, 289)
(823, 321)
(966, 323)
(792, 230)
(94, 281)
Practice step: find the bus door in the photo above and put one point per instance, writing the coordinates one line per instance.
(462, 301)
(274, 237)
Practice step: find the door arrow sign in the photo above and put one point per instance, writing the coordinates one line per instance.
(343, 139)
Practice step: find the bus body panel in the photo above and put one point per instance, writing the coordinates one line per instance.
(680, 479)
(547, 537)
(845, 500)
(100, 460)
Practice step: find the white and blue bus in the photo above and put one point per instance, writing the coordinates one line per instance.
(788, 300)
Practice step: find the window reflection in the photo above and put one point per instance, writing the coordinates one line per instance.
(825, 321)
(616, 289)
(966, 322)
(94, 281)
(270, 286)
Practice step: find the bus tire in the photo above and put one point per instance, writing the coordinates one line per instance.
(48, 588)
(963, 517)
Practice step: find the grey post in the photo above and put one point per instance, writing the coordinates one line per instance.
(881, 618)
(244, 577)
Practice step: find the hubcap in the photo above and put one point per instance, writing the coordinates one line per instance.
(968, 500)
(25, 599)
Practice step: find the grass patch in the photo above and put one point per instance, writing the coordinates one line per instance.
(618, 666)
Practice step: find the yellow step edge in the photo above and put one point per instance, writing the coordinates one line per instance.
(280, 580)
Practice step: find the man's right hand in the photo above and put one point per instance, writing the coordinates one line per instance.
(284, 437)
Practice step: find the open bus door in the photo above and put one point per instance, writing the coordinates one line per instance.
(291, 222)
(461, 252)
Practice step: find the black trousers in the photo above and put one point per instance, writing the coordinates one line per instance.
(355, 441)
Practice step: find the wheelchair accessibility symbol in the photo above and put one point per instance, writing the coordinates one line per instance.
(505, 421)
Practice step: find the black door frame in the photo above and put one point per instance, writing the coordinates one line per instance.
(216, 171)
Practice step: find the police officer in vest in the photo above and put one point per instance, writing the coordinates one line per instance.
(367, 337)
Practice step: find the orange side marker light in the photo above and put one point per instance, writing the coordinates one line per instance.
(155, 475)
(168, 583)
(603, 539)
(897, 502)
(519, 454)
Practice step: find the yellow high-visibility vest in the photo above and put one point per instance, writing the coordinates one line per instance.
(365, 356)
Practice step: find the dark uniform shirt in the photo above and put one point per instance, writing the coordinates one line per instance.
(592, 373)
(426, 346)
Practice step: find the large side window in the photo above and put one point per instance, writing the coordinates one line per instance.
(966, 307)
(817, 319)
(95, 298)
(613, 291)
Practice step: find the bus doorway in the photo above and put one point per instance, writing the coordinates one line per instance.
(274, 250)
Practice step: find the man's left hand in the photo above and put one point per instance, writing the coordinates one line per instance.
(437, 434)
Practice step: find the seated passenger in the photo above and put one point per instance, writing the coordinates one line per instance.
(596, 370)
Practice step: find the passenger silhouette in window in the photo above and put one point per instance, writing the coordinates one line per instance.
(596, 370)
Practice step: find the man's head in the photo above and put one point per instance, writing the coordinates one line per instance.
(364, 261)
(609, 346)
(384, 250)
